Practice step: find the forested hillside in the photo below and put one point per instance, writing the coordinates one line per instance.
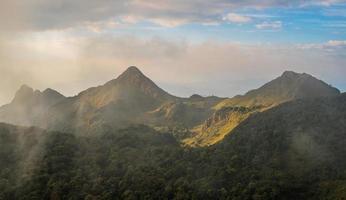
(293, 151)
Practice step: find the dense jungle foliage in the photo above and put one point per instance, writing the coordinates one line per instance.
(293, 151)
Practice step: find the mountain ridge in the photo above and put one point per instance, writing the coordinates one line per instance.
(28, 104)
(287, 87)
(133, 98)
(290, 85)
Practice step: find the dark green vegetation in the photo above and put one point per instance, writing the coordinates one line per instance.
(293, 151)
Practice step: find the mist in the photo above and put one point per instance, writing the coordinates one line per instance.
(68, 64)
(83, 49)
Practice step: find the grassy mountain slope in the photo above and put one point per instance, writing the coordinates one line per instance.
(231, 112)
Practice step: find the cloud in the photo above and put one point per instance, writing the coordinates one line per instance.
(38, 48)
(70, 64)
(275, 25)
(236, 18)
(62, 14)
(324, 2)
(337, 43)
(331, 45)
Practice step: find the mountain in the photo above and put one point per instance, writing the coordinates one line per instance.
(231, 112)
(297, 147)
(295, 150)
(131, 98)
(119, 102)
(132, 87)
(28, 105)
(289, 86)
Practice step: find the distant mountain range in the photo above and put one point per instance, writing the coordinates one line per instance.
(133, 98)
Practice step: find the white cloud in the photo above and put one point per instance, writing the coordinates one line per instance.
(275, 25)
(337, 43)
(237, 18)
(61, 14)
(330, 45)
(324, 2)
(170, 23)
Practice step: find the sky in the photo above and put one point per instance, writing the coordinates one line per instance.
(208, 47)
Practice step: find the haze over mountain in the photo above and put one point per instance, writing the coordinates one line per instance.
(28, 106)
(122, 132)
(132, 98)
(289, 86)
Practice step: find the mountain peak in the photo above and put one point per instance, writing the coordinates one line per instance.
(23, 93)
(132, 70)
(132, 86)
(26, 94)
(289, 86)
(50, 93)
(292, 74)
(25, 88)
(132, 75)
(292, 85)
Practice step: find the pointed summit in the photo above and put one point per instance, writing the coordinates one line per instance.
(289, 74)
(51, 96)
(133, 81)
(25, 92)
(132, 75)
(133, 70)
(132, 87)
(295, 75)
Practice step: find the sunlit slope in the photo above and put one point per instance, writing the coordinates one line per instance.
(220, 123)
(230, 112)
